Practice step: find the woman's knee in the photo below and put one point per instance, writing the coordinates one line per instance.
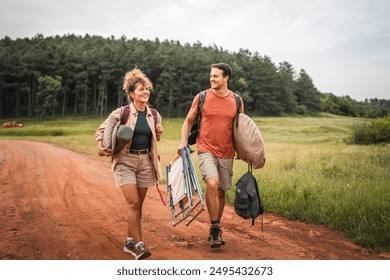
(134, 205)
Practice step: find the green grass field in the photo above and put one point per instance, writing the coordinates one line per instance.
(310, 175)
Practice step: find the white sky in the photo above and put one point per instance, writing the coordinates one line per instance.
(344, 45)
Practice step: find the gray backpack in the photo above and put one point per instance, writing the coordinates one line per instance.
(247, 203)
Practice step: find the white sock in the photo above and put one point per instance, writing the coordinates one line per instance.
(130, 239)
(139, 243)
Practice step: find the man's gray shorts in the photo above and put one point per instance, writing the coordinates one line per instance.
(211, 166)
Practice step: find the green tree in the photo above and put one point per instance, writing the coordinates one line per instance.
(285, 83)
(92, 70)
(306, 93)
(47, 96)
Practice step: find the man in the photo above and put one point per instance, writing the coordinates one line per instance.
(214, 143)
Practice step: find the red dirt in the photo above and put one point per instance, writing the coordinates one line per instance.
(57, 204)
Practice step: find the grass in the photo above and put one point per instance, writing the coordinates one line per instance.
(311, 174)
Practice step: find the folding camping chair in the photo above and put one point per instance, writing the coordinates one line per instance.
(183, 188)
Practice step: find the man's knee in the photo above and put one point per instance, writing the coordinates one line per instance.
(212, 184)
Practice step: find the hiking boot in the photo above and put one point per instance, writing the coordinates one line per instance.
(129, 247)
(223, 241)
(215, 237)
(209, 238)
(141, 252)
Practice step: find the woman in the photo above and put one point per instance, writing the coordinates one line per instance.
(136, 166)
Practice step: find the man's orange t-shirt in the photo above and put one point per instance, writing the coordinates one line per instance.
(216, 128)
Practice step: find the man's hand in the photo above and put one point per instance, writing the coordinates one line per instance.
(180, 148)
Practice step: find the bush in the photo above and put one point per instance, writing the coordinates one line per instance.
(372, 132)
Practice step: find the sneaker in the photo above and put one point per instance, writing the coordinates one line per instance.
(223, 241)
(141, 252)
(209, 238)
(129, 247)
(215, 237)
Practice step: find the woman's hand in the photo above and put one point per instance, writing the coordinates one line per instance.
(159, 131)
(159, 128)
(102, 150)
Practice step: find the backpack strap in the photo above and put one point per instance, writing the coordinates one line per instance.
(155, 116)
(196, 125)
(202, 97)
(238, 105)
(125, 114)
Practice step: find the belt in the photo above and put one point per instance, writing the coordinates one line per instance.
(139, 152)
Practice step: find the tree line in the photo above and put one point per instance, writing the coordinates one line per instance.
(83, 76)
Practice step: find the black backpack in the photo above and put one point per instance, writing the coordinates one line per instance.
(196, 125)
(247, 203)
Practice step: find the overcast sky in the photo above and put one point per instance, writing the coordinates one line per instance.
(344, 45)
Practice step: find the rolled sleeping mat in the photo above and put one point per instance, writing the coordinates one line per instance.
(116, 135)
(248, 141)
(123, 136)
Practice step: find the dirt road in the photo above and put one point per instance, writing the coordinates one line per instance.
(56, 204)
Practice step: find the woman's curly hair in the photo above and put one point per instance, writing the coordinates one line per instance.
(132, 78)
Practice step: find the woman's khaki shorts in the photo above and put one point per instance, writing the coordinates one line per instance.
(211, 166)
(136, 170)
